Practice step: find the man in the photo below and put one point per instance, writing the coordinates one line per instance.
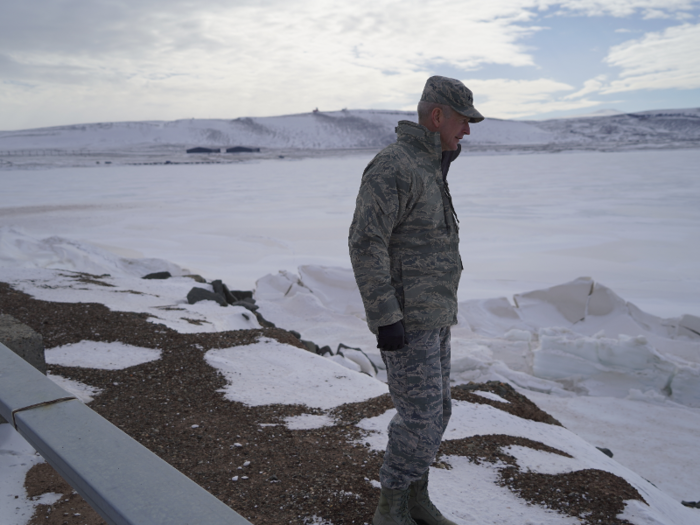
(404, 249)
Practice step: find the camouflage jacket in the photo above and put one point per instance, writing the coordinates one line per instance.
(404, 243)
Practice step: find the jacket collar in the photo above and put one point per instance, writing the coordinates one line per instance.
(447, 158)
(420, 136)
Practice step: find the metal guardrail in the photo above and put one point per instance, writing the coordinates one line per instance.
(121, 479)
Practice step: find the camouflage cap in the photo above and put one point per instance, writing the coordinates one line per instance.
(451, 92)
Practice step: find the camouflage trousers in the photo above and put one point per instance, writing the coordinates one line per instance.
(419, 382)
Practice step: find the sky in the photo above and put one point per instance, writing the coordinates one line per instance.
(83, 61)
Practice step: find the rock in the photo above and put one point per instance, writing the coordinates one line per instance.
(24, 342)
(157, 275)
(228, 295)
(197, 294)
(221, 289)
(361, 359)
(606, 451)
(691, 504)
(310, 346)
(196, 277)
(264, 322)
(242, 295)
(325, 350)
(295, 334)
(245, 304)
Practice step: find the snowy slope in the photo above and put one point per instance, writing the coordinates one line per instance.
(349, 129)
(270, 372)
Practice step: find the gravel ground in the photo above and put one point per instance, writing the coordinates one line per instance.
(284, 476)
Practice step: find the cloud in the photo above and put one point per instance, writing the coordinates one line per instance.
(215, 58)
(504, 98)
(373, 33)
(625, 8)
(593, 85)
(651, 14)
(663, 60)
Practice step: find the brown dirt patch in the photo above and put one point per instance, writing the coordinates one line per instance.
(293, 473)
(518, 405)
(353, 413)
(593, 495)
(488, 448)
(70, 509)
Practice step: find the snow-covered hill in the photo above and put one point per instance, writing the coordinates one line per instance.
(657, 127)
(352, 129)
(341, 129)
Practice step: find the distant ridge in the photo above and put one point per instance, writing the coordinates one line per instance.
(355, 129)
(670, 128)
(599, 113)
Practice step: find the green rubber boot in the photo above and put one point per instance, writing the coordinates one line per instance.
(393, 508)
(421, 508)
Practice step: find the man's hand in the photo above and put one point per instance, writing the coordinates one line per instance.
(391, 337)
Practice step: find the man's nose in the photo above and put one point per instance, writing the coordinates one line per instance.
(466, 129)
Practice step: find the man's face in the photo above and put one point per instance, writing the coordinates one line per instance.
(452, 130)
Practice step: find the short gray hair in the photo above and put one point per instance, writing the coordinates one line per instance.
(425, 109)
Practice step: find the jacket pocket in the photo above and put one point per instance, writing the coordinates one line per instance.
(430, 296)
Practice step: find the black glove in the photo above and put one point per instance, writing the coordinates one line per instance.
(391, 337)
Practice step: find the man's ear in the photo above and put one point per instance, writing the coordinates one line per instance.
(437, 116)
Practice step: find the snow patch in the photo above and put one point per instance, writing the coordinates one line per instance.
(490, 395)
(83, 392)
(100, 355)
(469, 493)
(16, 458)
(165, 301)
(308, 421)
(270, 372)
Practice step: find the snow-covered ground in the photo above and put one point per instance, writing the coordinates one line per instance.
(611, 389)
(628, 219)
(614, 356)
